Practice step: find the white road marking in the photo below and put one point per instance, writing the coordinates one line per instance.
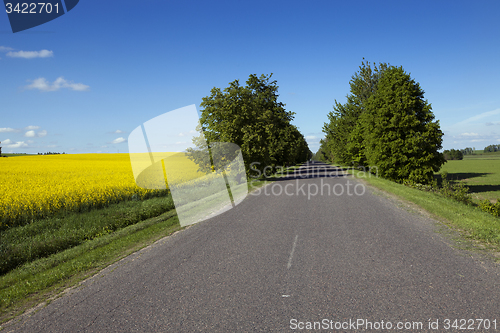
(291, 253)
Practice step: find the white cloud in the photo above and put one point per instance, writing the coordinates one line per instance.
(5, 49)
(311, 137)
(469, 134)
(470, 120)
(475, 137)
(7, 129)
(492, 124)
(484, 115)
(189, 134)
(118, 140)
(30, 54)
(7, 142)
(116, 132)
(31, 133)
(43, 85)
(51, 146)
(18, 144)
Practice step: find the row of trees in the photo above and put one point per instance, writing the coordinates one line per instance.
(320, 155)
(252, 117)
(491, 148)
(386, 123)
(453, 154)
(468, 151)
(458, 154)
(472, 151)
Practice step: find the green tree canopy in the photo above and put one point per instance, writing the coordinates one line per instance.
(385, 123)
(252, 117)
(491, 148)
(322, 153)
(344, 133)
(400, 134)
(453, 154)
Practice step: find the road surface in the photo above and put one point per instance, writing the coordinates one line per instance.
(286, 259)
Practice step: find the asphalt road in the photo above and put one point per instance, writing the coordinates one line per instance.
(284, 259)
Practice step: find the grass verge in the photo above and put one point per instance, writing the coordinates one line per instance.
(42, 238)
(471, 222)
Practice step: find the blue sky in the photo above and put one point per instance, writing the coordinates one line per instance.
(83, 82)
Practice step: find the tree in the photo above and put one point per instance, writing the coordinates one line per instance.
(363, 85)
(337, 134)
(251, 117)
(400, 134)
(343, 131)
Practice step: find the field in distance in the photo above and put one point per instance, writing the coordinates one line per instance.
(480, 172)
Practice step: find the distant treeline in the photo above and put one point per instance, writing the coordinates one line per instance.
(491, 148)
(51, 153)
(453, 154)
(468, 151)
(458, 154)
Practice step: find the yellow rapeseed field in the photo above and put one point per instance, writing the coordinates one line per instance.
(38, 186)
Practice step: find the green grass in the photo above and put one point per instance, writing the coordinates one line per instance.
(481, 173)
(470, 221)
(42, 238)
